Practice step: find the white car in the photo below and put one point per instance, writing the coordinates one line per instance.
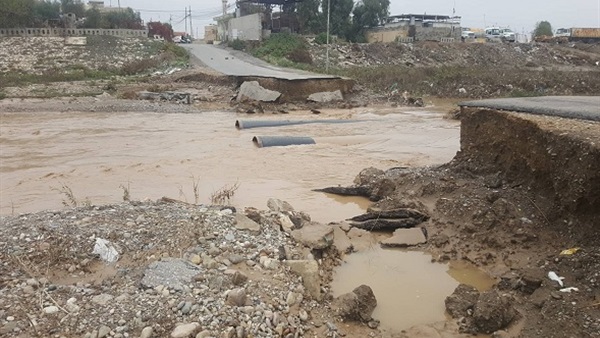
(467, 34)
(506, 34)
(562, 32)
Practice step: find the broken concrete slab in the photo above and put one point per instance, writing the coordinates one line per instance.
(253, 91)
(309, 271)
(314, 235)
(341, 242)
(324, 97)
(361, 239)
(405, 237)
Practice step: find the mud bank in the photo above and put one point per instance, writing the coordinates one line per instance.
(556, 157)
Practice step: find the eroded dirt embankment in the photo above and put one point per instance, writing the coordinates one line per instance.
(556, 157)
(521, 189)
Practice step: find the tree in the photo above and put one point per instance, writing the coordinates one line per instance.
(340, 23)
(16, 13)
(543, 28)
(163, 30)
(70, 6)
(367, 14)
(44, 11)
(309, 17)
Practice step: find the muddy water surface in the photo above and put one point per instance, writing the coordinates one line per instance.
(155, 155)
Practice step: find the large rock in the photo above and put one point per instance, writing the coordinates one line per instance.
(309, 271)
(314, 236)
(405, 237)
(278, 205)
(357, 305)
(185, 330)
(236, 297)
(462, 301)
(243, 222)
(170, 272)
(493, 312)
(324, 97)
(253, 91)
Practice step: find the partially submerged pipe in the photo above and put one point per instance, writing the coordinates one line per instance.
(247, 124)
(281, 141)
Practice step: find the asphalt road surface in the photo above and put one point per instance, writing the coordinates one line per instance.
(574, 107)
(240, 64)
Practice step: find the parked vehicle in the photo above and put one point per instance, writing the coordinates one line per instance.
(562, 32)
(561, 35)
(467, 34)
(500, 34)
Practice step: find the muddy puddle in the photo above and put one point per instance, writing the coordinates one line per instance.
(97, 155)
(409, 288)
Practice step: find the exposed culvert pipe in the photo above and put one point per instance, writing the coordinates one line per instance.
(247, 124)
(281, 141)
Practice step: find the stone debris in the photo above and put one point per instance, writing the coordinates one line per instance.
(169, 272)
(356, 305)
(173, 97)
(253, 91)
(314, 236)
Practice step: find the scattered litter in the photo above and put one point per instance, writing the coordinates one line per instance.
(106, 250)
(553, 276)
(569, 251)
(569, 289)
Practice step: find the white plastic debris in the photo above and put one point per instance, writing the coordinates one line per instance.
(569, 289)
(105, 250)
(553, 276)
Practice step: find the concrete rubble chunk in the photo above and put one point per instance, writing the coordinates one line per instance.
(405, 238)
(242, 222)
(253, 91)
(314, 236)
(309, 271)
(323, 97)
(169, 272)
(341, 242)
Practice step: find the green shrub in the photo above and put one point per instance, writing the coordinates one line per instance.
(280, 45)
(321, 38)
(237, 44)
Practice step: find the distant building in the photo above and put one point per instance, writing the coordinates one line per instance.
(417, 27)
(97, 4)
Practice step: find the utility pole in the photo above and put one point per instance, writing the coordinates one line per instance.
(328, 16)
(191, 27)
(185, 19)
(224, 7)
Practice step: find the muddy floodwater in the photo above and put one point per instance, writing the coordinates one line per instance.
(97, 155)
(410, 290)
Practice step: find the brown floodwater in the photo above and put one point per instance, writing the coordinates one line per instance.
(409, 288)
(156, 155)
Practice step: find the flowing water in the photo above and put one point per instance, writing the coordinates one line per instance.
(97, 155)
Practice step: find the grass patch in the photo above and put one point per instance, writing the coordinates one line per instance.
(283, 47)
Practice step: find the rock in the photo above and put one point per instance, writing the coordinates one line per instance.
(341, 242)
(269, 263)
(493, 312)
(102, 299)
(238, 278)
(242, 222)
(357, 305)
(103, 331)
(314, 236)
(203, 334)
(169, 272)
(195, 259)
(277, 205)
(501, 334)
(146, 332)
(361, 239)
(405, 238)
(309, 271)
(236, 259)
(324, 97)
(184, 330)
(51, 310)
(286, 223)
(186, 308)
(462, 301)
(303, 315)
(33, 283)
(253, 91)
(236, 297)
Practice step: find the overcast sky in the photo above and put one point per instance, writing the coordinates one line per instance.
(520, 15)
